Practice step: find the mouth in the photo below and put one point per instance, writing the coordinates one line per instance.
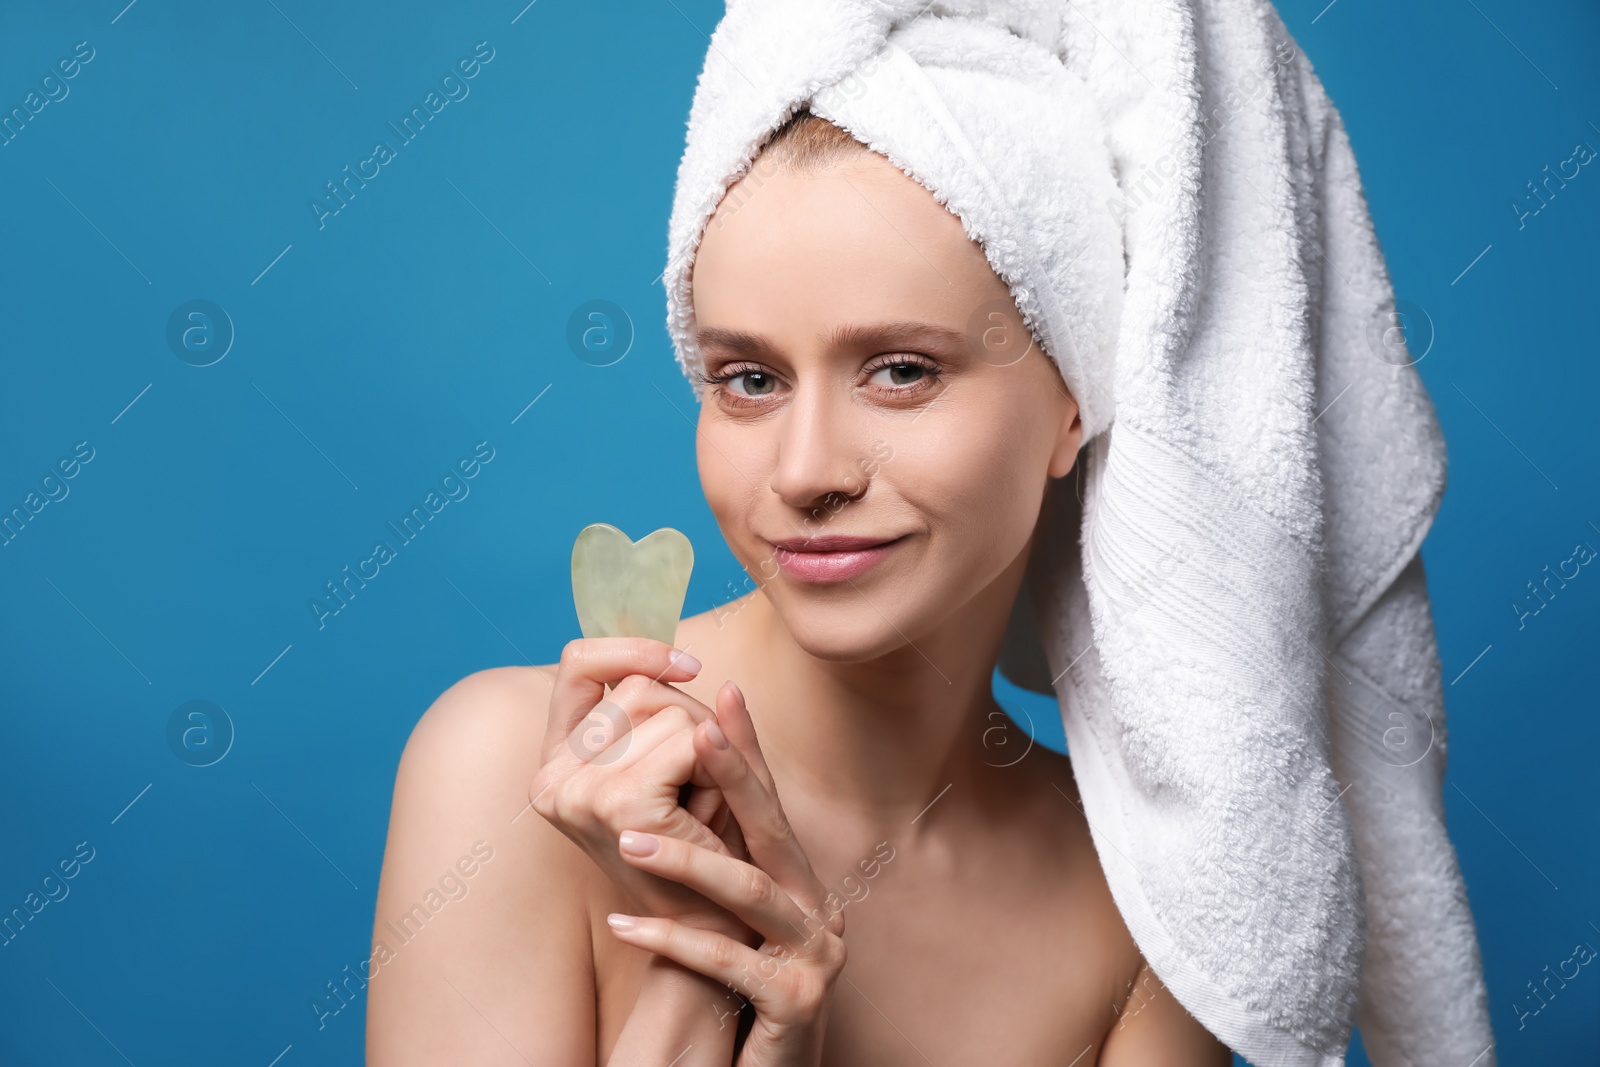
(835, 558)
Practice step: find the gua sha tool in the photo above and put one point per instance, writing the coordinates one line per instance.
(625, 588)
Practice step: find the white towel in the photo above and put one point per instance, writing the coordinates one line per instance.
(1234, 619)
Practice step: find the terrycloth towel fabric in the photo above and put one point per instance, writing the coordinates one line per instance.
(1229, 604)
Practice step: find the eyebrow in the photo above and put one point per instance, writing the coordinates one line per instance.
(877, 335)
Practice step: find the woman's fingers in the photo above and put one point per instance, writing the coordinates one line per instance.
(734, 718)
(743, 889)
(756, 973)
(705, 804)
(612, 733)
(767, 835)
(655, 780)
(730, 833)
(706, 952)
(628, 743)
(589, 665)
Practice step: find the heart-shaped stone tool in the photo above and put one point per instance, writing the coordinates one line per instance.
(625, 588)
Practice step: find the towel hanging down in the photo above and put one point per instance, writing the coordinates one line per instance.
(1234, 618)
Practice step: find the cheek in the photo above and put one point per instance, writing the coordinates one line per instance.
(731, 474)
(978, 489)
(972, 467)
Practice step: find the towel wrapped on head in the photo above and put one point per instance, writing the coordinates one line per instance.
(1229, 602)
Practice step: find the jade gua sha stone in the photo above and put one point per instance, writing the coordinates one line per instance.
(625, 588)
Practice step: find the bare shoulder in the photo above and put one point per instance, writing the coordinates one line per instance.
(475, 751)
(483, 709)
(481, 937)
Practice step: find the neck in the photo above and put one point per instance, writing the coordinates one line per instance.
(877, 741)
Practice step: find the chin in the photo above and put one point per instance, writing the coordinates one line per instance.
(845, 624)
(856, 623)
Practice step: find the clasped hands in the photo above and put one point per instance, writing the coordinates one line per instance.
(722, 884)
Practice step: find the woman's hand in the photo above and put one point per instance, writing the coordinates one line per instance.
(614, 763)
(789, 977)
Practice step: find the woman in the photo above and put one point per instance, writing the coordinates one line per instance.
(889, 479)
(1068, 219)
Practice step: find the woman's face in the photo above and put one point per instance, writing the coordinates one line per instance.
(871, 380)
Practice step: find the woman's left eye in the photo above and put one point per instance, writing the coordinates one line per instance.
(898, 374)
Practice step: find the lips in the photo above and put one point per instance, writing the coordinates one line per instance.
(834, 558)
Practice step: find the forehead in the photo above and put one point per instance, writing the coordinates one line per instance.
(856, 241)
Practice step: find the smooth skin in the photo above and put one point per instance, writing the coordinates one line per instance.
(870, 863)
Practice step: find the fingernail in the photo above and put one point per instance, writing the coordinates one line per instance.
(683, 659)
(736, 690)
(622, 922)
(714, 732)
(638, 844)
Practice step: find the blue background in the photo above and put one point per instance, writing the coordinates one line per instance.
(373, 353)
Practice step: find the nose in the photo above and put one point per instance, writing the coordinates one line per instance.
(817, 455)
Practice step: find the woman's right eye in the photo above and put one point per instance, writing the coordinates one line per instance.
(756, 383)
